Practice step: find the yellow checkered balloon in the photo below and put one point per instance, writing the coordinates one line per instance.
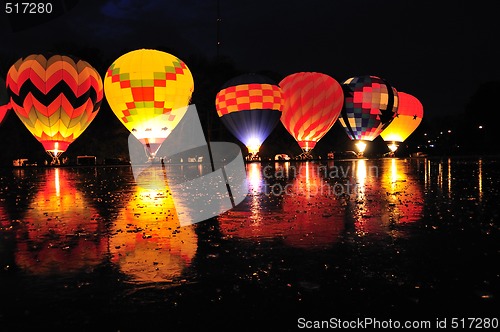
(149, 91)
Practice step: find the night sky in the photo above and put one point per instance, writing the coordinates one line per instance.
(439, 51)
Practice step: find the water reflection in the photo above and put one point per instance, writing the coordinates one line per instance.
(449, 177)
(364, 210)
(147, 242)
(387, 193)
(106, 189)
(62, 230)
(454, 177)
(464, 189)
(316, 203)
(59, 233)
(64, 221)
(404, 192)
(289, 202)
(444, 177)
(480, 179)
(427, 171)
(311, 205)
(369, 237)
(254, 176)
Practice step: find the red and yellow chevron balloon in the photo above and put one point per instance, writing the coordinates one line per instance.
(408, 118)
(312, 104)
(149, 91)
(56, 97)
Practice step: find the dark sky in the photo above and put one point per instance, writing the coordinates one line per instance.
(439, 51)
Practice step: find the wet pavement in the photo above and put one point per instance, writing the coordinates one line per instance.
(86, 248)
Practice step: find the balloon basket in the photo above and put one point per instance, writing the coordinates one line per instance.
(305, 155)
(55, 158)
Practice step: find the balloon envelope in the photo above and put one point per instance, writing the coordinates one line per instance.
(369, 107)
(4, 100)
(408, 118)
(250, 105)
(312, 104)
(56, 97)
(149, 91)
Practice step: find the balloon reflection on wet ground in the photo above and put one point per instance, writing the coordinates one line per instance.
(146, 240)
(59, 233)
(285, 206)
(354, 238)
(387, 195)
(308, 204)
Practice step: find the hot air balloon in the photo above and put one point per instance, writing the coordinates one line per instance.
(370, 105)
(149, 91)
(56, 97)
(408, 118)
(250, 105)
(312, 104)
(4, 100)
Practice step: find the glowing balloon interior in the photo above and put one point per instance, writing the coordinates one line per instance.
(312, 104)
(56, 97)
(149, 91)
(250, 106)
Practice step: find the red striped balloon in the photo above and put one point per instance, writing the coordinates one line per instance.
(312, 103)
